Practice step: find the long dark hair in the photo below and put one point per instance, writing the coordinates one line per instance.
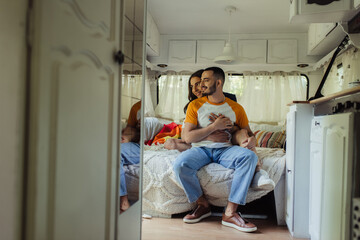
(192, 96)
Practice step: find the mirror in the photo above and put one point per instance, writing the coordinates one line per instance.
(131, 97)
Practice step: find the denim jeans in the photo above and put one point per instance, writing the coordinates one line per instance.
(242, 160)
(130, 154)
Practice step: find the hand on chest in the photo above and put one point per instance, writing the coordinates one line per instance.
(204, 114)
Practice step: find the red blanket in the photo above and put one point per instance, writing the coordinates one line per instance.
(171, 130)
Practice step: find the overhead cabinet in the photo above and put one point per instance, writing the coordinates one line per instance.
(282, 51)
(207, 50)
(182, 51)
(316, 11)
(324, 37)
(252, 51)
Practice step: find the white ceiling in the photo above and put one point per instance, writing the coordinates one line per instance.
(210, 17)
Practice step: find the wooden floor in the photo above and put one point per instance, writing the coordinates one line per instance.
(209, 229)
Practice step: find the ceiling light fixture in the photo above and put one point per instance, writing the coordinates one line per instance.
(228, 56)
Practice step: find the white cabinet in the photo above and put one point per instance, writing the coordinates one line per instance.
(356, 3)
(182, 51)
(337, 176)
(207, 50)
(331, 177)
(324, 37)
(316, 180)
(317, 32)
(297, 169)
(252, 51)
(282, 51)
(152, 37)
(308, 11)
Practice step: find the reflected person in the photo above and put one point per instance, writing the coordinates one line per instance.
(130, 150)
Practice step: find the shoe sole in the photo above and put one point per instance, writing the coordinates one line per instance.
(227, 224)
(197, 219)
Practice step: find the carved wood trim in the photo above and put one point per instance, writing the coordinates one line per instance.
(87, 22)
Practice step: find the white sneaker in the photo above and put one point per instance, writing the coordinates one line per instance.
(261, 181)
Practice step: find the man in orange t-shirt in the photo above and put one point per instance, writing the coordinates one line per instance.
(198, 126)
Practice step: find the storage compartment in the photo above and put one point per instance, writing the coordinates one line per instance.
(182, 51)
(252, 51)
(324, 37)
(301, 11)
(282, 51)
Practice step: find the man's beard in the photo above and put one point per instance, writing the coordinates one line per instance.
(211, 89)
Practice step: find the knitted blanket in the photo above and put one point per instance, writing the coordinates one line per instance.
(162, 194)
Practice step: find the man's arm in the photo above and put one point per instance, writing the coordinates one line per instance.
(249, 142)
(194, 134)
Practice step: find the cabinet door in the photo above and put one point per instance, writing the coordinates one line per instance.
(74, 110)
(337, 170)
(306, 6)
(290, 156)
(207, 50)
(182, 51)
(316, 181)
(317, 33)
(282, 51)
(306, 11)
(252, 51)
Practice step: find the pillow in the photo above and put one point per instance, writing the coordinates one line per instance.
(270, 139)
(152, 127)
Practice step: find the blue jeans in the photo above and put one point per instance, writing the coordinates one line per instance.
(242, 160)
(130, 154)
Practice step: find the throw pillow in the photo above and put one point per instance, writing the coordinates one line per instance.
(270, 139)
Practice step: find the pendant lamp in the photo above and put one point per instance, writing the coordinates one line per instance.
(228, 55)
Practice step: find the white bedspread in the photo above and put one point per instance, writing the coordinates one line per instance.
(162, 195)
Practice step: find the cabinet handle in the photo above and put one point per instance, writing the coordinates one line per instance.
(289, 171)
(119, 57)
(317, 123)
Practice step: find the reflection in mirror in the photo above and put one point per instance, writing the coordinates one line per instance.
(130, 148)
(131, 91)
(128, 43)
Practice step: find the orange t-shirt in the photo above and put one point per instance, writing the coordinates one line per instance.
(134, 115)
(200, 109)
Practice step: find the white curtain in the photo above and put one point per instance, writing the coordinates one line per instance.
(147, 99)
(266, 95)
(131, 94)
(173, 92)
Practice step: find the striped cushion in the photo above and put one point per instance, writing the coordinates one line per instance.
(270, 139)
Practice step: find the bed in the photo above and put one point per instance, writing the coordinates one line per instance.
(162, 196)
